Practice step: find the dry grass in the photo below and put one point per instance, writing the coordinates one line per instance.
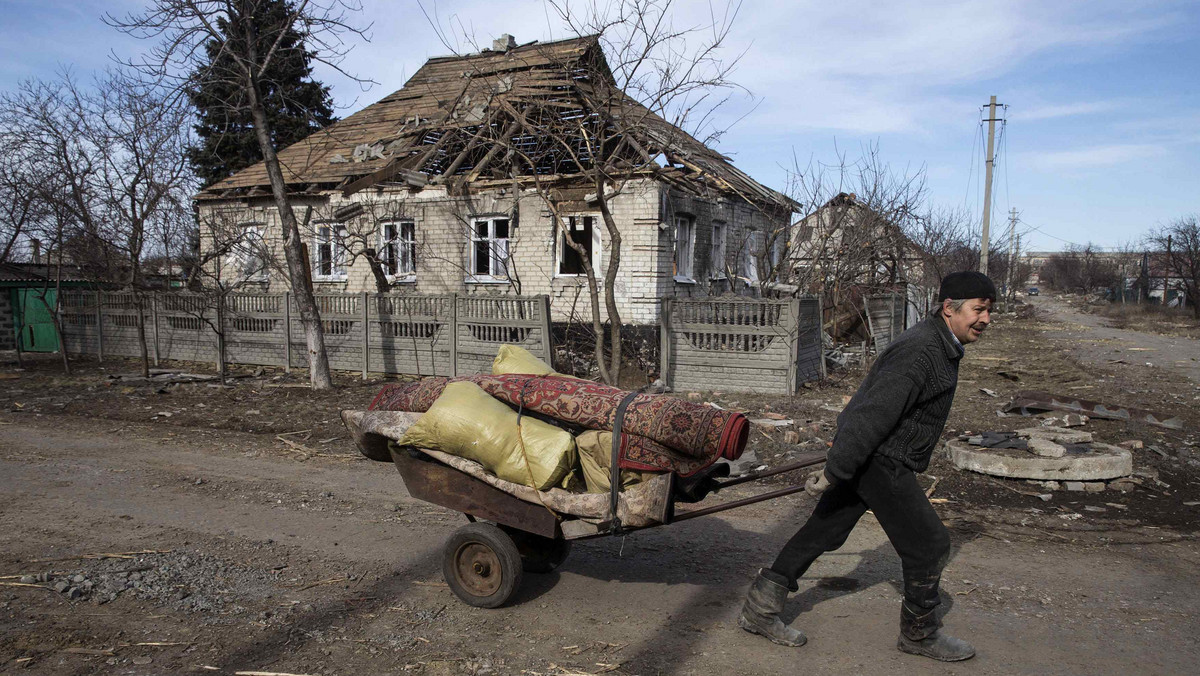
(1150, 317)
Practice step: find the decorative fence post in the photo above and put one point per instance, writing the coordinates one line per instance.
(220, 333)
(287, 331)
(793, 337)
(154, 318)
(454, 334)
(99, 326)
(366, 336)
(664, 342)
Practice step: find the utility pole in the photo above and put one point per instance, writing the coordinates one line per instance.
(1012, 253)
(987, 185)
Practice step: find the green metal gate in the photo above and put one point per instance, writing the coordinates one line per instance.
(34, 320)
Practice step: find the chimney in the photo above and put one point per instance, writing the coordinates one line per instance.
(504, 43)
(35, 247)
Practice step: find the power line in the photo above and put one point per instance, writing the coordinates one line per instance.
(976, 138)
(1066, 241)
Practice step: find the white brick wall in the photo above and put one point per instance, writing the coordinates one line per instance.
(442, 234)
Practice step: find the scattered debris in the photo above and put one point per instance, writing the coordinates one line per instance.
(1068, 420)
(771, 422)
(1031, 403)
(990, 393)
(932, 487)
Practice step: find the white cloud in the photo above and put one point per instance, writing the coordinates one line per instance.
(1055, 111)
(1094, 157)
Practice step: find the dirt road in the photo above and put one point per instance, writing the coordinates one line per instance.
(1095, 341)
(266, 563)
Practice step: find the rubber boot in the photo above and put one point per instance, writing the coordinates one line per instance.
(920, 634)
(938, 646)
(760, 614)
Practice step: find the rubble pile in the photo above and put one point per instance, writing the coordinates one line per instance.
(191, 582)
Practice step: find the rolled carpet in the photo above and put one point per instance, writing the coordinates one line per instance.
(660, 433)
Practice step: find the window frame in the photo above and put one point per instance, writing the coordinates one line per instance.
(717, 250)
(685, 244)
(560, 246)
(400, 242)
(338, 271)
(494, 255)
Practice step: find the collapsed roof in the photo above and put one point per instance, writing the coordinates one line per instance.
(548, 111)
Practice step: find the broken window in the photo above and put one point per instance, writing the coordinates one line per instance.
(756, 245)
(398, 248)
(329, 255)
(581, 230)
(249, 254)
(684, 243)
(718, 250)
(489, 248)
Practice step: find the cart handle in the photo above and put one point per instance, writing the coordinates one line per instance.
(807, 460)
(812, 459)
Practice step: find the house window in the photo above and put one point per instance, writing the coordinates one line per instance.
(756, 245)
(489, 248)
(398, 248)
(684, 243)
(249, 254)
(329, 254)
(718, 251)
(581, 230)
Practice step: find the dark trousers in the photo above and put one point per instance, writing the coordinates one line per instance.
(923, 543)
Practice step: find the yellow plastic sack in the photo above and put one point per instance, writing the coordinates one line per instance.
(467, 422)
(595, 457)
(513, 359)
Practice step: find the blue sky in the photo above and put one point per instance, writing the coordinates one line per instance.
(1103, 134)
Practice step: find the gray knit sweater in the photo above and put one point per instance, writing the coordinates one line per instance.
(901, 407)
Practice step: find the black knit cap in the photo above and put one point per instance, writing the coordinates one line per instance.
(966, 284)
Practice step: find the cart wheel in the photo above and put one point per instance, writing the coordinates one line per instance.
(539, 554)
(482, 565)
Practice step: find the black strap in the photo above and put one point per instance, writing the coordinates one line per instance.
(614, 467)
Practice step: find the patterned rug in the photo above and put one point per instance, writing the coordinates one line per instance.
(660, 433)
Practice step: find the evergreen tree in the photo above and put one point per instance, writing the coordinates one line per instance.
(296, 104)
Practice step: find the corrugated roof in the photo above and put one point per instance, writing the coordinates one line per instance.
(453, 115)
(39, 273)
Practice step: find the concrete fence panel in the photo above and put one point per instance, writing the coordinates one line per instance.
(366, 332)
(484, 323)
(739, 344)
(411, 334)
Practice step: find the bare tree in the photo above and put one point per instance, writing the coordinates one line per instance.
(183, 27)
(1177, 244)
(1081, 269)
(864, 232)
(141, 176)
(20, 208)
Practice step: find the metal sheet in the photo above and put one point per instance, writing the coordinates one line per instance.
(1028, 403)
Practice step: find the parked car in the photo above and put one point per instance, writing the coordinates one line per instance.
(1033, 291)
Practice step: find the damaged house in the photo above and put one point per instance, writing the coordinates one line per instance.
(472, 178)
(852, 251)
